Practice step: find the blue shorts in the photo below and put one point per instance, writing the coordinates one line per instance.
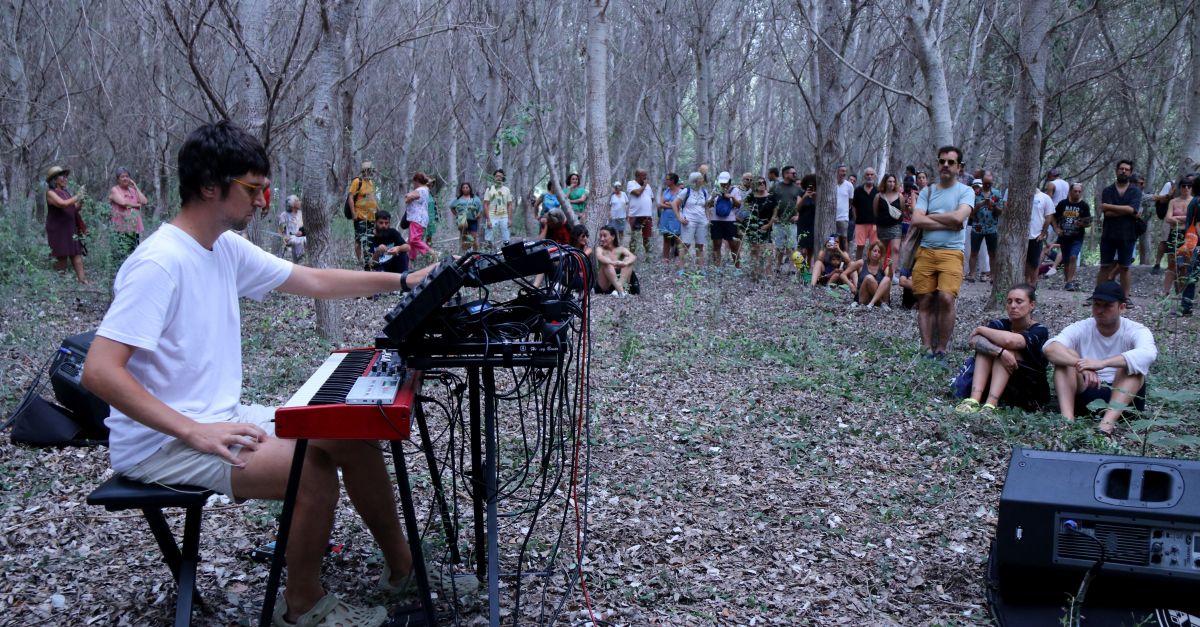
(1071, 246)
(1117, 251)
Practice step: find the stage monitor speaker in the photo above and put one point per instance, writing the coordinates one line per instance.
(1062, 512)
(65, 374)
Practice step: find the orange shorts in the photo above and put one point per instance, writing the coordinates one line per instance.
(937, 269)
(865, 234)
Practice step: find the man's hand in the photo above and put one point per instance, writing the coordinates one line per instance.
(683, 220)
(1089, 365)
(217, 438)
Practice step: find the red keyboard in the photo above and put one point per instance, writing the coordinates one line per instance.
(318, 409)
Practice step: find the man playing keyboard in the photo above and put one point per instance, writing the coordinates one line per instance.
(167, 358)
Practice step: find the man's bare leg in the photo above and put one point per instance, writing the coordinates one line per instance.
(1124, 392)
(265, 476)
(925, 319)
(944, 325)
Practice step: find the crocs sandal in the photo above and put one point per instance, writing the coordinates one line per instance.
(460, 584)
(968, 406)
(331, 611)
(987, 408)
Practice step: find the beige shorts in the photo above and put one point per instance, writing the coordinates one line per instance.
(177, 463)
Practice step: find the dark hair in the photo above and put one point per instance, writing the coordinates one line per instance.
(499, 171)
(471, 190)
(910, 170)
(1126, 162)
(955, 149)
(673, 177)
(574, 174)
(214, 154)
(420, 178)
(809, 180)
(1196, 186)
(383, 215)
(578, 231)
(786, 168)
(613, 232)
(302, 232)
(883, 182)
(1030, 291)
(774, 171)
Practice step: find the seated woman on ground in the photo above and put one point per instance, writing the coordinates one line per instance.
(555, 227)
(874, 277)
(829, 268)
(615, 261)
(1009, 363)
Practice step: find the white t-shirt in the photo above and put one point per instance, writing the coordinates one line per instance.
(1043, 205)
(1132, 340)
(739, 193)
(693, 208)
(617, 205)
(176, 303)
(1061, 189)
(640, 206)
(845, 191)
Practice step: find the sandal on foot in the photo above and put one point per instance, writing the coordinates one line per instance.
(968, 406)
(406, 586)
(987, 408)
(331, 611)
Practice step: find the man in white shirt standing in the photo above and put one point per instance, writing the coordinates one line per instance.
(1061, 187)
(1041, 218)
(641, 209)
(168, 359)
(1105, 357)
(845, 191)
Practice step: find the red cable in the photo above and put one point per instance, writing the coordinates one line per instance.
(582, 378)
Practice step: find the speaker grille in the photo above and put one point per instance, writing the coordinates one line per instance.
(1124, 544)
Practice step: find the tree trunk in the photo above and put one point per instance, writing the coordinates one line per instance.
(1191, 137)
(322, 134)
(597, 114)
(924, 22)
(1008, 264)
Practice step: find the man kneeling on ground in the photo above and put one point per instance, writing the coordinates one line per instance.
(1103, 357)
(168, 359)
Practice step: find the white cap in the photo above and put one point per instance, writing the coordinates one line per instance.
(723, 178)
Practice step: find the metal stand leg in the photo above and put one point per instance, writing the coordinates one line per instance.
(493, 531)
(285, 525)
(436, 477)
(413, 531)
(478, 480)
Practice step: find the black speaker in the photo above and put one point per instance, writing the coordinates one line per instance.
(1062, 513)
(65, 373)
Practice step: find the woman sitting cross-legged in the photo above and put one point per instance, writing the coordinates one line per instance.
(1009, 363)
(615, 261)
(829, 268)
(874, 282)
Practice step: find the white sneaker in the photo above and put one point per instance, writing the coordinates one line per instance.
(854, 305)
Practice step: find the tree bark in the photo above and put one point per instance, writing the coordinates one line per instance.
(924, 21)
(323, 136)
(1191, 137)
(1030, 61)
(597, 114)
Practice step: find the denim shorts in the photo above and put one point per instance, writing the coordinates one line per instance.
(1071, 246)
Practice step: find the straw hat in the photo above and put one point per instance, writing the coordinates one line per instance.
(54, 171)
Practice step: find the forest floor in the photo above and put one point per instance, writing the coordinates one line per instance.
(760, 455)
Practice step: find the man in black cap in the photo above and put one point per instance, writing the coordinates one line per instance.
(1104, 357)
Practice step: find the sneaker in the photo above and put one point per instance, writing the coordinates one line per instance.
(854, 305)
(885, 307)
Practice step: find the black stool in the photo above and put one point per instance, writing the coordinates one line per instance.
(119, 493)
